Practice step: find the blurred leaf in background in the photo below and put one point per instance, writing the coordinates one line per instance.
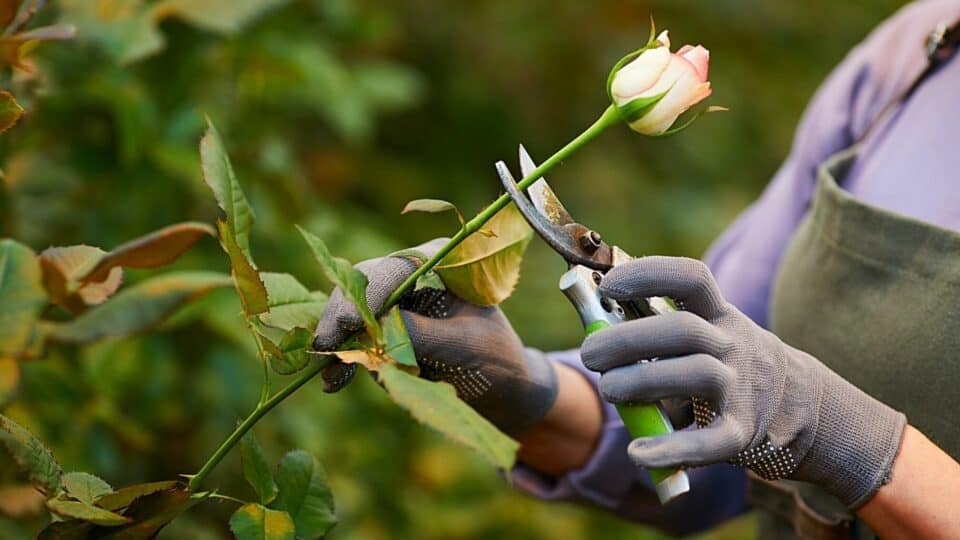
(337, 112)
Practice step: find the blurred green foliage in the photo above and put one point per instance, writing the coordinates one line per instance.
(337, 112)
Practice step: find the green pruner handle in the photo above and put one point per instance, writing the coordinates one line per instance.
(640, 419)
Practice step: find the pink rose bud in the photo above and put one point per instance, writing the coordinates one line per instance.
(658, 85)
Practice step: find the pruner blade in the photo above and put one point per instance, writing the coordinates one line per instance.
(576, 243)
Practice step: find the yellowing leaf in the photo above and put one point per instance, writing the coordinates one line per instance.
(85, 512)
(254, 522)
(156, 249)
(484, 269)
(246, 278)
(139, 307)
(63, 268)
(235, 229)
(10, 111)
(350, 280)
(21, 296)
(436, 404)
(395, 350)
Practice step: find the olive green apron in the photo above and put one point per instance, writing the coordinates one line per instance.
(876, 297)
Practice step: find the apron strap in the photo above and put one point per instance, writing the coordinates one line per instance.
(941, 45)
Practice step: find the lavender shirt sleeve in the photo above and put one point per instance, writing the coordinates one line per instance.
(746, 257)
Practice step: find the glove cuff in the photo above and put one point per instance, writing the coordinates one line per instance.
(539, 396)
(856, 442)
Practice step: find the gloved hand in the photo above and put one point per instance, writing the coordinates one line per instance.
(471, 347)
(760, 403)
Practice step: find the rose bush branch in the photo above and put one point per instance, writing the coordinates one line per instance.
(649, 89)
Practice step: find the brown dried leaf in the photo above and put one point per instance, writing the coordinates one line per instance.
(150, 251)
(63, 268)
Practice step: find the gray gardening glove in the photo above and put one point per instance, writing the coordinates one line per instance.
(760, 403)
(471, 347)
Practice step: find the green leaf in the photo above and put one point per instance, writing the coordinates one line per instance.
(235, 230)
(122, 497)
(21, 295)
(85, 512)
(254, 522)
(436, 405)
(139, 307)
(218, 174)
(246, 278)
(304, 494)
(85, 486)
(63, 268)
(432, 206)
(396, 339)
(221, 16)
(10, 111)
(351, 281)
(31, 456)
(291, 304)
(153, 250)
(256, 469)
(429, 280)
(291, 355)
(484, 269)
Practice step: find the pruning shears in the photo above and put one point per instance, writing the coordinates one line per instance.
(589, 257)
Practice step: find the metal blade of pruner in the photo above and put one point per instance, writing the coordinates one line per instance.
(576, 243)
(589, 257)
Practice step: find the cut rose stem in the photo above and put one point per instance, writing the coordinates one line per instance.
(609, 117)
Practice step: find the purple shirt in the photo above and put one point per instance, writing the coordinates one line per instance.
(909, 164)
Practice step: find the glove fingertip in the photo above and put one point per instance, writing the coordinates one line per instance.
(644, 452)
(337, 376)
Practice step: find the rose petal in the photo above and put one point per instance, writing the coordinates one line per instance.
(685, 90)
(637, 77)
(664, 38)
(699, 56)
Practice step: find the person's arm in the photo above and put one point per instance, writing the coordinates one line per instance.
(567, 436)
(922, 499)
